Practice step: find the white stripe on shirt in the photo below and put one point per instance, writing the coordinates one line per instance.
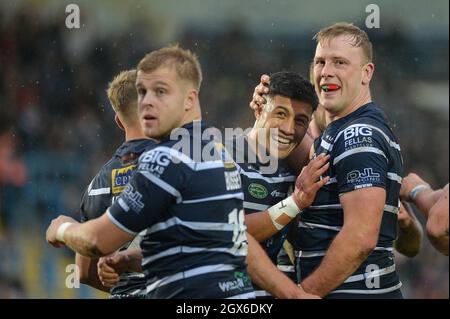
(359, 150)
(192, 225)
(99, 191)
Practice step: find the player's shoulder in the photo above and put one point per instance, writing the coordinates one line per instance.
(104, 173)
(367, 129)
(370, 121)
(163, 158)
(370, 116)
(138, 146)
(116, 172)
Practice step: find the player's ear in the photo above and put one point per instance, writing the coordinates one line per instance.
(119, 122)
(191, 100)
(368, 71)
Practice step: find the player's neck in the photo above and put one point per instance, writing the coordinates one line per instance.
(359, 102)
(193, 115)
(134, 133)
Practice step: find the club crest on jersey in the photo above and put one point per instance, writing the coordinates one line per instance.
(120, 178)
(257, 190)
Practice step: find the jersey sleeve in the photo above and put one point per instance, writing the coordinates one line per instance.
(96, 197)
(83, 214)
(156, 185)
(360, 158)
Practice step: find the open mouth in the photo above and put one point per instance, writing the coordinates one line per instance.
(148, 118)
(282, 141)
(330, 87)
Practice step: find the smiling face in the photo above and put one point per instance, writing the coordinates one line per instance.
(342, 75)
(290, 119)
(163, 99)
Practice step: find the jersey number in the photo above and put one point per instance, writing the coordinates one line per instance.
(236, 218)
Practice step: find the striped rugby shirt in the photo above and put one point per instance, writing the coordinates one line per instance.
(261, 191)
(364, 153)
(195, 243)
(104, 189)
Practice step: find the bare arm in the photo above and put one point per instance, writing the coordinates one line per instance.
(267, 276)
(265, 224)
(437, 224)
(410, 232)
(260, 225)
(110, 268)
(88, 272)
(95, 238)
(353, 244)
(425, 199)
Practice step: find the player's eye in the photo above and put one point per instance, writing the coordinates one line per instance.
(160, 91)
(340, 62)
(300, 122)
(142, 92)
(319, 62)
(281, 114)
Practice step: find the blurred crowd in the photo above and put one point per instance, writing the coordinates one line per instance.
(57, 128)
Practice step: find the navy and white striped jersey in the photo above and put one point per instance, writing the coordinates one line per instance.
(364, 153)
(102, 191)
(191, 208)
(261, 191)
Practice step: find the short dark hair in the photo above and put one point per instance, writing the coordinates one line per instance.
(294, 86)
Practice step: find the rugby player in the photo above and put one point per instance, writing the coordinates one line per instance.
(112, 179)
(291, 101)
(352, 224)
(410, 232)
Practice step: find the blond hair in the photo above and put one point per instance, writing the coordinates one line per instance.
(123, 96)
(185, 62)
(358, 37)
